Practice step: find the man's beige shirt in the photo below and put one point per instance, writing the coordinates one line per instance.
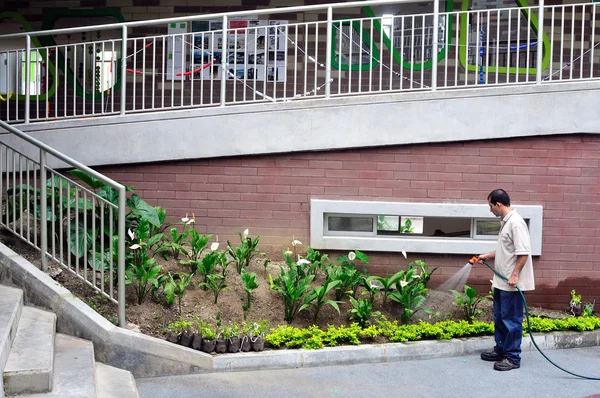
(513, 241)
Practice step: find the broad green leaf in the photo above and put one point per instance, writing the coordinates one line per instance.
(139, 208)
(143, 229)
(361, 256)
(80, 239)
(169, 292)
(92, 182)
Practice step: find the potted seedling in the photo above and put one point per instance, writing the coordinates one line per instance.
(257, 334)
(575, 306)
(209, 339)
(231, 334)
(180, 332)
(197, 340)
(246, 345)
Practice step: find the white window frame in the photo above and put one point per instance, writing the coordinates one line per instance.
(322, 240)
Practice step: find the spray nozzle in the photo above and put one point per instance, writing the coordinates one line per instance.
(474, 260)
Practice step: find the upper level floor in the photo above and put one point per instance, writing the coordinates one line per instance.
(260, 80)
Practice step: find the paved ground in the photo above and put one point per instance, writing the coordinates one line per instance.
(447, 377)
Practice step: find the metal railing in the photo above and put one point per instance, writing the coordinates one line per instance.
(80, 229)
(271, 61)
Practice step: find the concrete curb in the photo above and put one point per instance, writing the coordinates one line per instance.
(146, 356)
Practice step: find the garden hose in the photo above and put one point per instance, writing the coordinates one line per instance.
(477, 260)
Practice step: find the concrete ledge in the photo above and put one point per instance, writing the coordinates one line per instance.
(11, 306)
(146, 356)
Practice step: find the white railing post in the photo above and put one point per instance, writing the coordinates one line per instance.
(43, 210)
(435, 49)
(540, 43)
(121, 264)
(328, 47)
(123, 67)
(224, 60)
(27, 78)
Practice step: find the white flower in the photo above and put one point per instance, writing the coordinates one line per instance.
(131, 234)
(416, 276)
(186, 218)
(134, 247)
(303, 261)
(404, 253)
(403, 283)
(351, 256)
(190, 221)
(214, 246)
(296, 242)
(288, 252)
(245, 234)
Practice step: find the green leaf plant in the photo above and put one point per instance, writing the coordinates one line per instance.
(174, 285)
(249, 281)
(410, 293)
(316, 298)
(362, 312)
(292, 284)
(198, 244)
(388, 283)
(469, 301)
(216, 283)
(142, 270)
(243, 254)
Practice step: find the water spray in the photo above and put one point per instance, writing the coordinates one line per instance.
(478, 260)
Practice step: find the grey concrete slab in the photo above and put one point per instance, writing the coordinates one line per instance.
(142, 355)
(113, 382)
(463, 376)
(31, 358)
(11, 306)
(74, 369)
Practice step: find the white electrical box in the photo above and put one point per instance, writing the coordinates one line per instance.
(8, 72)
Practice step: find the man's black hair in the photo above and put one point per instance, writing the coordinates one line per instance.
(499, 196)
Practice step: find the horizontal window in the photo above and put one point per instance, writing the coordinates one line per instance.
(416, 227)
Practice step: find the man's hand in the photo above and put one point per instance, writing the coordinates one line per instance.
(487, 256)
(513, 280)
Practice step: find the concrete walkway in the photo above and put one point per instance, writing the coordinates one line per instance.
(462, 377)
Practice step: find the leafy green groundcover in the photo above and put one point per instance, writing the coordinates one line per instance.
(314, 338)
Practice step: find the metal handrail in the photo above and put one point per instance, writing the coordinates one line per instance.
(44, 150)
(271, 11)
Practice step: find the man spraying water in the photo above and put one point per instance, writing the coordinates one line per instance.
(513, 259)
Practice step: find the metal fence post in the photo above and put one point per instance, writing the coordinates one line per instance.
(328, 47)
(123, 67)
(121, 264)
(435, 49)
(224, 56)
(540, 43)
(43, 210)
(27, 79)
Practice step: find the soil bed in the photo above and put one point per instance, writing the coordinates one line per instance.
(153, 315)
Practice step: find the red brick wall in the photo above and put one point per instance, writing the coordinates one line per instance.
(270, 195)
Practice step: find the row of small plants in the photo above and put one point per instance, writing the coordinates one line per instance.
(314, 338)
(203, 336)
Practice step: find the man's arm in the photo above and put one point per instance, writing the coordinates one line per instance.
(488, 256)
(514, 277)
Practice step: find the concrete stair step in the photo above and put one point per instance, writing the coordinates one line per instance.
(114, 382)
(74, 369)
(31, 358)
(11, 305)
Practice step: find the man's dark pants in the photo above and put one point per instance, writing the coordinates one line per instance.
(508, 324)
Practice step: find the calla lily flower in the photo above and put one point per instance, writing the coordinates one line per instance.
(303, 261)
(131, 234)
(245, 234)
(351, 256)
(403, 283)
(404, 253)
(214, 246)
(134, 247)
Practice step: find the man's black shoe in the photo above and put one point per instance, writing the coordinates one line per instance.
(506, 364)
(491, 356)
